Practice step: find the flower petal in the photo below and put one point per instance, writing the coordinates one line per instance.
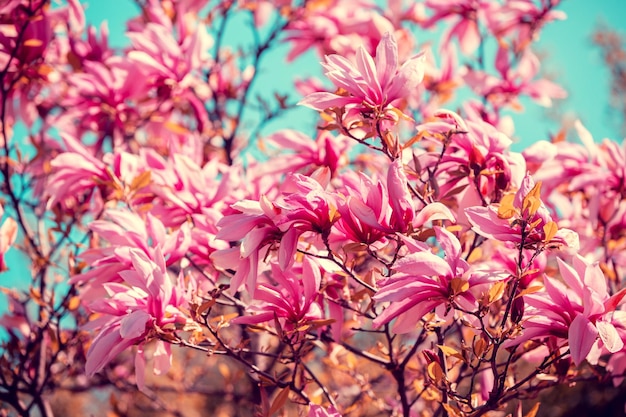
(134, 325)
(609, 335)
(582, 335)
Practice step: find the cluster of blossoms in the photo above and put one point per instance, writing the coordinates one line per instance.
(403, 245)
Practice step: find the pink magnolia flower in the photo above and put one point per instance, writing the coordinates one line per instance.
(366, 212)
(254, 224)
(27, 59)
(579, 312)
(521, 218)
(469, 12)
(308, 154)
(263, 226)
(125, 230)
(370, 83)
(339, 26)
(523, 18)
(514, 82)
(76, 174)
(373, 210)
(92, 49)
(292, 300)
(142, 307)
(102, 99)
(33, 31)
(477, 157)
(423, 281)
(306, 205)
(586, 189)
(173, 68)
(184, 188)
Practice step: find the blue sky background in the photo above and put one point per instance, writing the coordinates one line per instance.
(569, 58)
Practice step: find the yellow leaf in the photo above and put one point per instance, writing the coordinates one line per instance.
(530, 272)
(495, 292)
(532, 200)
(531, 204)
(435, 372)
(480, 346)
(459, 285)
(36, 296)
(279, 401)
(529, 290)
(506, 210)
(140, 181)
(475, 255)
(224, 370)
(176, 128)
(447, 350)
(74, 303)
(550, 230)
(535, 223)
(205, 306)
(454, 228)
(333, 214)
(223, 318)
(450, 351)
(33, 42)
(536, 191)
(452, 410)
(533, 411)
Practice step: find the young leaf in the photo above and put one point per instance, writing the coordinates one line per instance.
(279, 401)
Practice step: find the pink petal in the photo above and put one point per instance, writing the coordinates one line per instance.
(311, 279)
(140, 369)
(321, 101)
(288, 246)
(107, 345)
(609, 335)
(433, 211)
(162, 357)
(612, 303)
(367, 68)
(423, 264)
(400, 198)
(386, 59)
(133, 325)
(582, 336)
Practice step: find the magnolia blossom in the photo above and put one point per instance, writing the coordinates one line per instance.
(145, 305)
(423, 281)
(514, 82)
(340, 26)
(579, 311)
(521, 218)
(76, 173)
(254, 224)
(477, 158)
(370, 83)
(465, 29)
(126, 233)
(292, 301)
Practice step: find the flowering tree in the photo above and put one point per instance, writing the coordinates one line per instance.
(398, 260)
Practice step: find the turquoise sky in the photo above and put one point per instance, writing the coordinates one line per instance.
(566, 45)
